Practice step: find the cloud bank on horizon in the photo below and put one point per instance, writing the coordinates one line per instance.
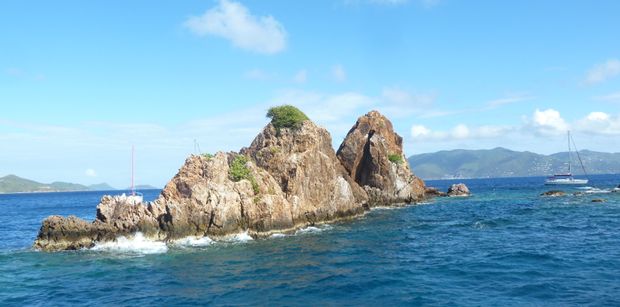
(205, 73)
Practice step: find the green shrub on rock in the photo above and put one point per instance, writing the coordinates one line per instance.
(286, 116)
(395, 158)
(239, 171)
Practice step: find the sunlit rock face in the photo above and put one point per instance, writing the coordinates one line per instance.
(372, 153)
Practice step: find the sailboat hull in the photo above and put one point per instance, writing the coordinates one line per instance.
(567, 178)
(565, 181)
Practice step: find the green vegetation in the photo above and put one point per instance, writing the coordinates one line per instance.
(395, 158)
(208, 155)
(501, 162)
(286, 116)
(239, 171)
(15, 184)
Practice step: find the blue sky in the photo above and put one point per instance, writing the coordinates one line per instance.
(80, 81)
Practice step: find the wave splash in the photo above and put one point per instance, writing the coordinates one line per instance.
(133, 244)
(194, 241)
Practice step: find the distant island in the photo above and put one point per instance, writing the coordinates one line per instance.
(16, 184)
(502, 162)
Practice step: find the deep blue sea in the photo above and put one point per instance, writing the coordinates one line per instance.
(505, 245)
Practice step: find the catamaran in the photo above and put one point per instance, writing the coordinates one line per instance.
(567, 178)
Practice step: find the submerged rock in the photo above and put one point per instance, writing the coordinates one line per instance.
(434, 192)
(598, 200)
(458, 190)
(553, 193)
(372, 153)
(290, 177)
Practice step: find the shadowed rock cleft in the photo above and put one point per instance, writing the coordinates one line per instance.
(372, 153)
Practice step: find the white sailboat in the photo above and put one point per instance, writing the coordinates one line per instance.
(567, 178)
(134, 197)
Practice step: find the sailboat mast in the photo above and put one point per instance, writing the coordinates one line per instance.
(569, 165)
(133, 190)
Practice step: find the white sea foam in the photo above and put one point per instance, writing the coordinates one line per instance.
(383, 208)
(597, 191)
(313, 229)
(241, 237)
(277, 235)
(134, 244)
(193, 241)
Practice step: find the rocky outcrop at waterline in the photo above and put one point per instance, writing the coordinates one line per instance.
(554, 193)
(289, 177)
(372, 153)
(458, 190)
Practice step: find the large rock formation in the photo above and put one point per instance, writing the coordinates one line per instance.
(372, 153)
(305, 166)
(289, 177)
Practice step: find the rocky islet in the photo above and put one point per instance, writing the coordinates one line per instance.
(288, 178)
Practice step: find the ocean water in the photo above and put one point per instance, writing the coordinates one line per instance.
(505, 245)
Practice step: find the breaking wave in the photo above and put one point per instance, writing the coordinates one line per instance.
(193, 241)
(313, 229)
(238, 238)
(134, 244)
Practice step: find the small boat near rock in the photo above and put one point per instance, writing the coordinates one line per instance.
(567, 178)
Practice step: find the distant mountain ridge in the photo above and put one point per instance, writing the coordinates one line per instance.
(502, 162)
(15, 184)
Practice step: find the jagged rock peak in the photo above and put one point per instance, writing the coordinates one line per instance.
(304, 163)
(372, 153)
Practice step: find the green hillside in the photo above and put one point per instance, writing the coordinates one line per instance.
(501, 162)
(12, 184)
(15, 184)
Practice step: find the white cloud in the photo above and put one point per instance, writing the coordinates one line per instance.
(543, 123)
(233, 21)
(613, 97)
(459, 132)
(301, 76)
(90, 172)
(548, 122)
(419, 131)
(338, 73)
(599, 123)
(603, 72)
